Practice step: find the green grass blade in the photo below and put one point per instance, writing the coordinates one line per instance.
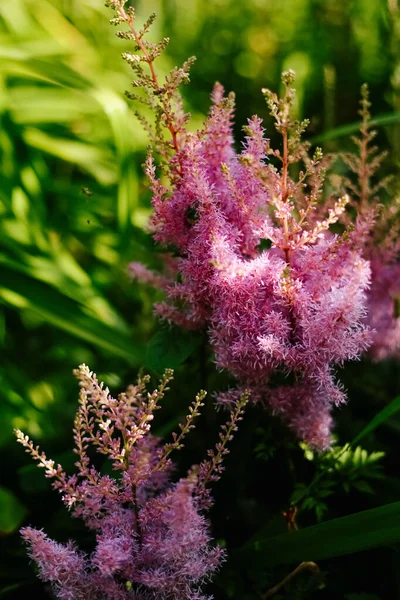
(23, 292)
(391, 409)
(124, 137)
(351, 128)
(96, 161)
(360, 531)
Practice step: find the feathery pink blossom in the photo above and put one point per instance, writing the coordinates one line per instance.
(297, 307)
(152, 536)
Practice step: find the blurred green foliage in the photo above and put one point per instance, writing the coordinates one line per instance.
(73, 213)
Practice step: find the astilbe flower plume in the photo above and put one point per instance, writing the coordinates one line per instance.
(152, 537)
(378, 235)
(295, 307)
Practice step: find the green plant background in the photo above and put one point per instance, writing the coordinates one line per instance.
(73, 213)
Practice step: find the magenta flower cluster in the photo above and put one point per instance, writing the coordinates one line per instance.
(298, 306)
(253, 258)
(152, 539)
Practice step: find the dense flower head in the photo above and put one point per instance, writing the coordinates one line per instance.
(152, 536)
(256, 261)
(296, 306)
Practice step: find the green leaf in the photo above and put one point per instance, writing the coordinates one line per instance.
(63, 273)
(2, 327)
(351, 128)
(117, 112)
(363, 486)
(23, 292)
(169, 348)
(360, 531)
(96, 161)
(12, 511)
(10, 588)
(52, 104)
(320, 511)
(300, 492)
(31, 479)
(391, 409)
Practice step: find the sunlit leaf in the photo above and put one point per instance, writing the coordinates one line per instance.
(351, 128)
(96, 161)
(23, 292)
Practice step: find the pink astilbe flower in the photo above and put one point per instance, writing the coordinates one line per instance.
(265, 319)
(63, 565)
(378, 236)
(297, 307)
(383, 314)
(152, 537)
(180, 541)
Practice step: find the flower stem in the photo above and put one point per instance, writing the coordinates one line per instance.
(304, 566)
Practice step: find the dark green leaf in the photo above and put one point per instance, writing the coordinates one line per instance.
(2, 327)
(31, 479)
(12, 511)
(299, 493)
(170, 348)
(363, 486)
(23, 292)
(360, 531)
(391, 409)
(10, 588)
